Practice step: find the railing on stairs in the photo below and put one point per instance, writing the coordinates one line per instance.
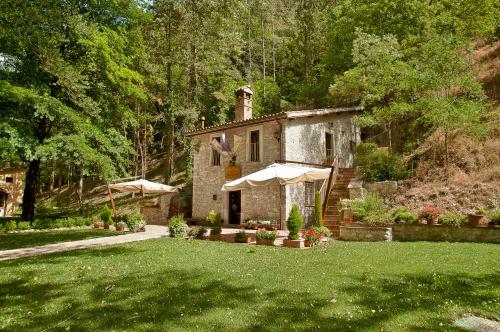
(325, 191)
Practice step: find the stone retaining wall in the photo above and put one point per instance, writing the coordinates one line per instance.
(360, 233)
(446, 233)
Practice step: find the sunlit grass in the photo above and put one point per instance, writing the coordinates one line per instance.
(33, 239)
(169, 284)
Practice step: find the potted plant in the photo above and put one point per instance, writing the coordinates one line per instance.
(430, 215)
(106, 216)
(97, 223)
(242, 237)
(215, 223)
(120, 226)
(476, 218)
(311, 236)
(264, 237)
(294, 224)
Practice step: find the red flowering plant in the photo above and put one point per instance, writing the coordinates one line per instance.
(430, 214)
(312, 235)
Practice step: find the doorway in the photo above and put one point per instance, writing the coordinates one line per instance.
(3, 204)
(235, 207)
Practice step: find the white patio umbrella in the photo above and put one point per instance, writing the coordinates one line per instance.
(278, 174)
(144, 186)
(138, 186)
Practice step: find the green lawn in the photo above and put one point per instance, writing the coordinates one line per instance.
(32, 239)
(175, 285)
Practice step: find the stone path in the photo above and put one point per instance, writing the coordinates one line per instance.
(152, 232)
(478, 324)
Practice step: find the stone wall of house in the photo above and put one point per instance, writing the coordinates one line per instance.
(353, 233)
(208, 180)
(446, 233)
(13, 189)
(305, 142)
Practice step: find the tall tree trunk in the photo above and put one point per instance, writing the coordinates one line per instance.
(29, 197)
(60, 183)
(80, 187)
(52, 176)
(249, 42)
(263, 45)
(273, 47)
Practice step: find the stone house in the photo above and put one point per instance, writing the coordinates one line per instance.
(313, 136)
(11, 189)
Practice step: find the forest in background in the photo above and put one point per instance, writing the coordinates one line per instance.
(99, 88)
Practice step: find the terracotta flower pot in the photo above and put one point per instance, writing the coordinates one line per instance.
(308, 243)
(293, 243)
(477, 220)
(97, 226)
(265, 242)
(120, 228)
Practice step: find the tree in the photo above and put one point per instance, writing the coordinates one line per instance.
(318, 211)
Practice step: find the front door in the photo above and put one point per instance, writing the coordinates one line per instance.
(234, 207)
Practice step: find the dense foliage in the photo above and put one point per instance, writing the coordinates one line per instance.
(177, 227)
(98, 89)
(369, 209)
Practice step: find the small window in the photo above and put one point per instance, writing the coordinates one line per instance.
(9, 179)
(216, 154)
(309, 194)
(254, 146)
(329, 148)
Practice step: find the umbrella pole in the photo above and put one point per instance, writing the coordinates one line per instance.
(112, 201)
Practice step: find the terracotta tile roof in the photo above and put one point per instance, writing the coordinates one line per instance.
(271, 117)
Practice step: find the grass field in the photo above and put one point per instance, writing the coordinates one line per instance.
(181, 285)
(32, 239)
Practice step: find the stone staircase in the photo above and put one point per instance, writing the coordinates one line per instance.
(339, 191)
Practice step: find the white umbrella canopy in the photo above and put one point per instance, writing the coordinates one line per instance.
(278, 174)
(145, 186)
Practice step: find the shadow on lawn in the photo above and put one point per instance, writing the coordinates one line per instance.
(190, 300)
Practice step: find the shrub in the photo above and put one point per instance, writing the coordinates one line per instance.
(311, 235)
(79, 221)
(241, 237)
(452, 219)
(323, 230)
(23, 225)
(429, 213)
(403, 215)
(494, 216)
(262, 234)
(10, 226)
(134, 221)
(106, 215)
(215, 222)
(68, 222)
(318, 210)
(379, 165)
(370, 209)
(177, 226)
(294, 223)
(121, 224)
(197, 232)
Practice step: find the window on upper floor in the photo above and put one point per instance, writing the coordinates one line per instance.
(216, 154)
(329, 147)
(9, 179)
(255, 145)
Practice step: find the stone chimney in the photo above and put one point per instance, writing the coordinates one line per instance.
(243, 108)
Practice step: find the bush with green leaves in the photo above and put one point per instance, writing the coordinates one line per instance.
(452, 219)
(23, 225)
(10, 226)
(215, 222)
(318, 210)
(241, 237)
(106, 215)
(403, 215)
(494, 216)
(197, 232)
(263, 234)
(294, 223)
(177, 226)
(370, 209)
(323, 230)
(134, 221)
(379, 165)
